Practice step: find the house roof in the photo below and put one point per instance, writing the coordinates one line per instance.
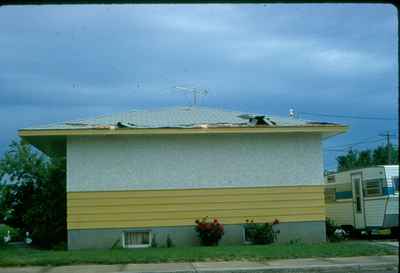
(51, 138)
(177, 117)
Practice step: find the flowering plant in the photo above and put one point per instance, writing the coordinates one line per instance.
(261, 234)
(209, 232)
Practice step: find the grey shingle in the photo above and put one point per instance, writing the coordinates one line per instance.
(173, 117)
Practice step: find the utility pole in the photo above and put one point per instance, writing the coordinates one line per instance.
(388, 146)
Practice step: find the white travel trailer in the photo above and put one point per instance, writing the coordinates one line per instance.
(364, 199)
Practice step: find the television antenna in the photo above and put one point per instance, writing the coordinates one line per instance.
(195, 92)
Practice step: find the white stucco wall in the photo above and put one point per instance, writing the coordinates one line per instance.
(104, 163)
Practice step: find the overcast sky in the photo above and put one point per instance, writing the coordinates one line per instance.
(65, 62)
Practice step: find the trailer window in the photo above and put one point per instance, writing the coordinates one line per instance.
(373, 187)
(331, 179)
(330, 194)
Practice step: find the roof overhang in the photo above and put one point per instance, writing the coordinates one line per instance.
(53, 142)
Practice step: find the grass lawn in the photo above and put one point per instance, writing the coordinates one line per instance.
(12, 256)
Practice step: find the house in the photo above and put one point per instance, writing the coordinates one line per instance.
(143, 176)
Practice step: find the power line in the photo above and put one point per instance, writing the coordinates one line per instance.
(346, 116)
(368, 140)
(336, 150)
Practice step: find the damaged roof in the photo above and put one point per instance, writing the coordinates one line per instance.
(178, 117)
(52, 138)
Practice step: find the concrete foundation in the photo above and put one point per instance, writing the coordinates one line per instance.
(307, 232)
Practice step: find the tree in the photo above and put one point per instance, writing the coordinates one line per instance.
(366, 158)
(348, 161)
(34, 199)
(380, 155)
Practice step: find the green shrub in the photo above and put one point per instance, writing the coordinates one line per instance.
(153, 241)
(169, 242)
(295, 241)
(260, 233)
(115, 245)
(209, 232)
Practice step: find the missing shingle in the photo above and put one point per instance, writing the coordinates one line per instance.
(270, 121)
(125, 125)
(257, 120)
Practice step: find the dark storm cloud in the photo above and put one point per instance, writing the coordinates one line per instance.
(63, 62)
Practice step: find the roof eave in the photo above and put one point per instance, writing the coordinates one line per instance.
(333, 129)
(53, 142)
(53, 146)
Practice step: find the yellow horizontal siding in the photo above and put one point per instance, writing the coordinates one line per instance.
(145, 215)
(181, 207)
(194, 192)
(195, 207)
(200, 200)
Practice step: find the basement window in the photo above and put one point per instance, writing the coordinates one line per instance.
(136, 239)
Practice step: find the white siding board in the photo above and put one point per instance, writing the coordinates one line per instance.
(104, 163)
(374, 212)
(391, 171)
(367, 173)
(393, 205)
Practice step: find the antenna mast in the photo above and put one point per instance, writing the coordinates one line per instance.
(195, 92)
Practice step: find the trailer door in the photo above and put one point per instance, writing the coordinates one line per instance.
(358, 201)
